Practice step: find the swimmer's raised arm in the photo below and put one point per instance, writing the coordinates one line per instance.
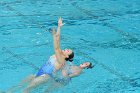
(57, 48)
(59, 30)
(56, 35)
(56, 45)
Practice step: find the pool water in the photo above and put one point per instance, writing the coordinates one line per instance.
(104, 32)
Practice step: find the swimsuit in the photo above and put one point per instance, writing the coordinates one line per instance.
(47, 68)
(64, 80)
(69, 70)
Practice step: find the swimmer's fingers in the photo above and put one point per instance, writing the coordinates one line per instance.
(60, 22)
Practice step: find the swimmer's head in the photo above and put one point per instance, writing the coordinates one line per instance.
(69, 54)
(86, 65)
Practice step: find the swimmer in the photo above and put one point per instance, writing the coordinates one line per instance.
(69, 72)
(73, 71)
(55, 62)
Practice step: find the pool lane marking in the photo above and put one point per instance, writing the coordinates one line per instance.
(23, 15)
(29, 46)
(14, 2)
(110, 70)
(29, 20)
(133, 40)
(20, 58)
(130, 38)
(39, 25)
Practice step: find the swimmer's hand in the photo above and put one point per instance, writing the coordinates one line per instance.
(60, 23)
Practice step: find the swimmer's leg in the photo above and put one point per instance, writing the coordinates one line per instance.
(54, 85)
(28, 79)
(21, 84)
(36, 81)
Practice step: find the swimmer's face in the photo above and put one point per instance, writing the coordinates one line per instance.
(67, 51)
(84, 65)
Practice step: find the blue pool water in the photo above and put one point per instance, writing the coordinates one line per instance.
(105, 32)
